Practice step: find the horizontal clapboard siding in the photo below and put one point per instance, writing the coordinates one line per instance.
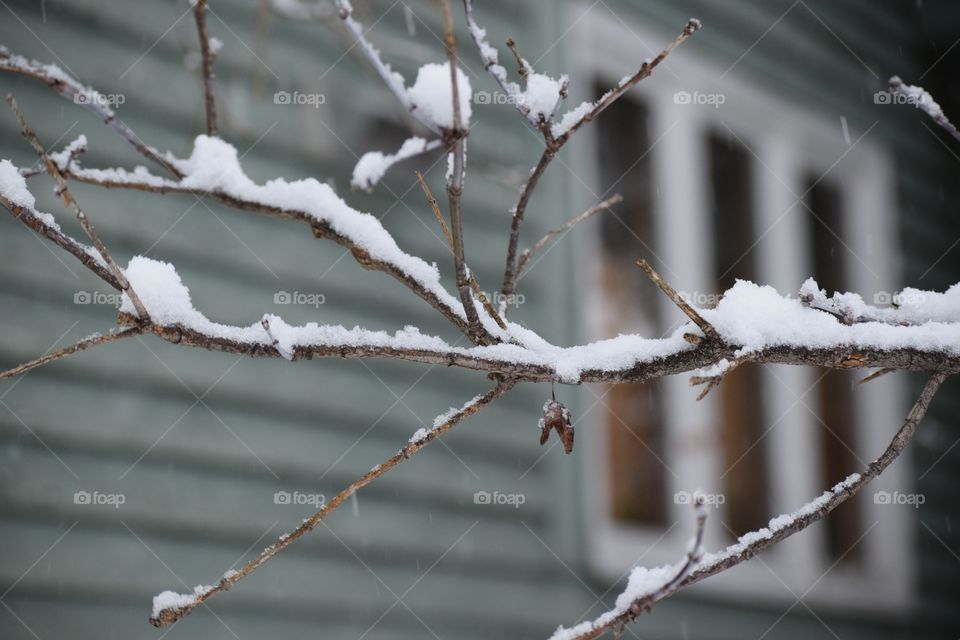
(201, 497)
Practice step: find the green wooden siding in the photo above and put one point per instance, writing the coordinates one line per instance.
(201, 499)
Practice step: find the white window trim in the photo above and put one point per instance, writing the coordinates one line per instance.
(789, 139)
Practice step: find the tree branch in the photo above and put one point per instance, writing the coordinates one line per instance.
(441, 426)
(82, 345)
(64, 192)
(200, 14)
(557, 134)
(455, 138)
(392, 79)
(923, 100)
(780, 528)
(570, 224)
(678, 300)
(435, 207)
(71, 89)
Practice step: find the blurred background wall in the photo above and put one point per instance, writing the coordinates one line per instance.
(198, 444)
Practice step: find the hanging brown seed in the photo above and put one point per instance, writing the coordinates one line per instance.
(556, 416)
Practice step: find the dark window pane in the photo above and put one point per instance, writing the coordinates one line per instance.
(745, 461)
(634, 413)
(834, 392)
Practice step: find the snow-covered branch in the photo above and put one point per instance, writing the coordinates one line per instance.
(556, 134)
(750, 324)
(644, 588)
(64, 192)
(80, 94)
(921, 99)
(169, 607)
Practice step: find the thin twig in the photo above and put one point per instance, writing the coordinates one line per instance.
(169, 615)
(391, 78)
(678, 300)
(73, 90)
(435, 207)
(783, 527)
(715, 380)
(523, 68)
(82, 345)
(319, 228)
(456, 139)
(64, 192)
(570, 224)
(200, 13)
(86, 255)
(693, 25)
(516, 222)
(553, 144)
(877, 374)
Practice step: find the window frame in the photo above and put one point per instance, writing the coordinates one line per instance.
(789, 140)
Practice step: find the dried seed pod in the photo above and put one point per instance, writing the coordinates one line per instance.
(556, 416)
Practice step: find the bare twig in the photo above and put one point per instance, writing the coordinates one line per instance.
(319, 228)
(784, 526)
(391, 78)
(693, 25)
(82, 345)
(435, 207)
(570, 224)
(169, 615)
(85, 254)
(523, 68)
(73, 90)
(456, 141)
(210, 105)
(877, 374)
(714, 381)
(678, 300)
(64, 192)
(553, 144)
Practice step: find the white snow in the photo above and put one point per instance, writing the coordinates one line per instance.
(757, 317)
(373, 165)
(174, 600)
(431, 95)
(444, 417)
(13, 186)
(541, 95)
(81, 94)
(918, 96)
(419, 435)
(570, 118)
(644, 581)
(62, 158)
